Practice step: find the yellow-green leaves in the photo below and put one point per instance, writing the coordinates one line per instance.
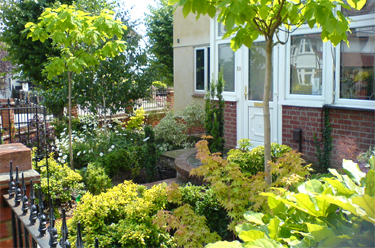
(254, 217)
(357, 4)
(251, 235)
(87, 38)
(370, 183)
(262, 15)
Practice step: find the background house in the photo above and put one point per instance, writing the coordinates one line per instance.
(310, 78)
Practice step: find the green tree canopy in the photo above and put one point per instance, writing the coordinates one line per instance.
(160, 33)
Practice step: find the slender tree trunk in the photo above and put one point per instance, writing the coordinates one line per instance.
(70, 120)
(266, 112)
(105, 115)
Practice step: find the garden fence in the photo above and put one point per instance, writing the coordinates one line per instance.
(23, 122)
(157, 101)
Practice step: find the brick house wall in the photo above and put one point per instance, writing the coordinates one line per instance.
(355, 124)
(230, 124)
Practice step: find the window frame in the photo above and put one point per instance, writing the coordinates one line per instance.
(304, 99)
(206, 50)
(358, 22)
(226, 42)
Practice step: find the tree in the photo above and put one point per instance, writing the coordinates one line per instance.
(5, 67)
(115, 82)
(246, 20)
(82, 39)
(30, 57)
(160, 32)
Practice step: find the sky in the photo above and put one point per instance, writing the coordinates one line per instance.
(138, 10)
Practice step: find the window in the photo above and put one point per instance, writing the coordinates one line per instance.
(202, 68)
(306, 64)
(257, 71)
(357, 65)
(226, 64)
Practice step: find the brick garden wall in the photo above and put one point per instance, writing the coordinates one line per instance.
(230, 122)
(356, 125)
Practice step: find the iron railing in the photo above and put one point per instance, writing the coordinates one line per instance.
(23, 122)
(29, 222)
(158, 100)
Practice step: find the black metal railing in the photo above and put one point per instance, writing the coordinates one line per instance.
(23, 122)
(29, 222)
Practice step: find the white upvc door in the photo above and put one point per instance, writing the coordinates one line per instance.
(251, 123)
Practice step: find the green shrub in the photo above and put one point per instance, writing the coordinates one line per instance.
(193, 115)
(121, 217)
(159, 85)
(204, 202)
(96, 180)
(238, 192)
(151, 154)
(136, 121)
(214, 108)
(171, 131)
(122, 160)
(331, 212)
(63, 181)
(252, 162)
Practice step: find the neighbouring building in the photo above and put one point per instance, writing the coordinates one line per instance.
(310, 79)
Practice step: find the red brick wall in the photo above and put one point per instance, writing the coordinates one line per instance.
(356, 124)
(230, 123)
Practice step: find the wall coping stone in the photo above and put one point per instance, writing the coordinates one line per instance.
(16, 152)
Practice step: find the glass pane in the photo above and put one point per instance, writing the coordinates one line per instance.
(306, 64)
(222, 30)
(357, 65)
(367, 9)
(257, 70)
(226, 63)
(199, 70)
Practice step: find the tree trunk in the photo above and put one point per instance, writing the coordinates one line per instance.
(266, 112)
(105, 116)
(70, 120)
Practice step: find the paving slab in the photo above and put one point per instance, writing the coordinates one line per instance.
(175, 153)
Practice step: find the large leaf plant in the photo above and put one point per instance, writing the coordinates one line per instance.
(337, 211)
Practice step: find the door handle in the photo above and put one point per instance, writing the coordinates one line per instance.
(245, 92)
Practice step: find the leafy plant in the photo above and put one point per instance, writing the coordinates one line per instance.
(237, 192)
(151, 154)
(368, 158)
(121, 160)
(95, 178)
(331, 212)
(137, 120)
(159, 85)
(214, 123)
(171, 131)
(122, 217)
(63, 181)
(204, 202)
(252, 162)
(190, 229)
(193, 115)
